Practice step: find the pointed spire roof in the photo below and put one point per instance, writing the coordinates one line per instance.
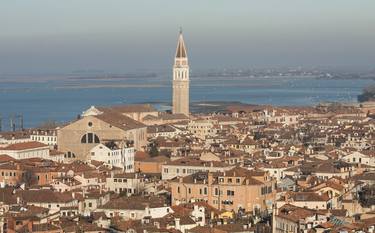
(181, 49)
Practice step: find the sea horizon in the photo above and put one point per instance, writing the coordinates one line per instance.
(62, 98)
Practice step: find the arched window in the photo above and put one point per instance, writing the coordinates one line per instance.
(90, 138)
(84, 139)
(96, 139)
(69, 155)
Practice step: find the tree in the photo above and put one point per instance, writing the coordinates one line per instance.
(153, 150)
(368, 94)
(29, 178)
(258, 135)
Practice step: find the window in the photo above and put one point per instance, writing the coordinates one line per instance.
(238, 180)
(230, 193)
(178, 189)
(84, 139)
(227, 202)
(90, 138)
(89, 124)
(90, 204)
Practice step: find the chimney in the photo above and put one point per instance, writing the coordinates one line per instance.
(73, 195)
(147, 209)
(177, 223)
(210, 178)
(286, 197)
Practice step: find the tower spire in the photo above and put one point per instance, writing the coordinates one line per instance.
(181, 49)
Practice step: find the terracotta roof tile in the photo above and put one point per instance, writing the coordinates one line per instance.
(24, 146)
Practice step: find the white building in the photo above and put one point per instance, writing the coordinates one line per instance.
(364, 157)
(128, 183)
(26, 150)
(48, 137)
(275, 171)
(280, 116)
(113, 155)
(14, 137)
(168, 131)
(202, 128)
(136, 208)
(187, 166)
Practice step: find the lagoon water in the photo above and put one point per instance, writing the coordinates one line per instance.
(63, 98)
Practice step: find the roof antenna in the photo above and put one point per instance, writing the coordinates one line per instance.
(180, 30)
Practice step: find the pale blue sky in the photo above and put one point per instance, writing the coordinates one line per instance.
(41, 36)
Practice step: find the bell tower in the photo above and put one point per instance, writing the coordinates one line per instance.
(181, 79)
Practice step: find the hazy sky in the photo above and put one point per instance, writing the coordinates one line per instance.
(41, 36)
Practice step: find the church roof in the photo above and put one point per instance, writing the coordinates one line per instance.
(119, 120)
